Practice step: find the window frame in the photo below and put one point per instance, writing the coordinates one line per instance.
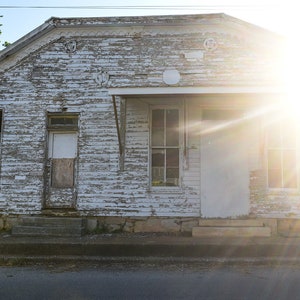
(282, 148)
(166, 188)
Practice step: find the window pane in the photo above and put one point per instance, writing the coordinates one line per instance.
(289, 178)
(274, 139)
(57, 121)
(274, 159)
(158, 176)
(289, 159)
(172, 158)
(158, 136)
(158, 118)
(158, 158)
(289, 135)
(172, 182)
(282, 160)
(289, 169)
(172, 118)
(172, 173)
(158, 124)
(172, 127)
(172, 137)
(72, 120)
(158, 167)
(274, 178)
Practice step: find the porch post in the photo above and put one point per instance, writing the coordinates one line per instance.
(120, 126)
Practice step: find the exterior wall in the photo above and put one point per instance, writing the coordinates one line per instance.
(266, 202)
(128, 192)
(72, 69)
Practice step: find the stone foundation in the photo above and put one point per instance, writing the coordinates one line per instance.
(7, 222)
(141, 224)
(280, 227)
(289, 227)
(123, 224)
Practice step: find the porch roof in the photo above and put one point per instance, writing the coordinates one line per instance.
(196, 90)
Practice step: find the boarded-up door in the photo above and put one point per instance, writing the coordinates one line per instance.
(224, 168)
(61, 181)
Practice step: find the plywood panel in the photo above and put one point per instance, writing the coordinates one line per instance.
(62, 173)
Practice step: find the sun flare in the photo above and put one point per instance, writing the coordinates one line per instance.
(291, 72)
(290, 106)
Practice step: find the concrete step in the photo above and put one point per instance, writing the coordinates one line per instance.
(221, 231)
(56, 231)
(232, 228)
(49, 226)
(52, 221)
(231, 223)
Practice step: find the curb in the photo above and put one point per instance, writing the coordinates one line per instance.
(145, 261)
(151, 250)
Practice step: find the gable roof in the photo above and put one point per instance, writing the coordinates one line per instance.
(215, 20)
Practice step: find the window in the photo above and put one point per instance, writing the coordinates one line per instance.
(165, 147)
(282, 155)
(63, 122)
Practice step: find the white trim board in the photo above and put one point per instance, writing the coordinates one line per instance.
(194, 90)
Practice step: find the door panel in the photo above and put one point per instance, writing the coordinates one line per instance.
(224, 171)
(62, 145)
(62, 175)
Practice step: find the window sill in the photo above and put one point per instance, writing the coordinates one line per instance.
(165, 190)
(282, 191)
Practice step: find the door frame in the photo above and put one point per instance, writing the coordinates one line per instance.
(60, 123)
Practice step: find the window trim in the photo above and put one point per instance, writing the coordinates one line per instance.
(162, 188)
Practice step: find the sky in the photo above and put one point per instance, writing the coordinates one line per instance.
(22, 16)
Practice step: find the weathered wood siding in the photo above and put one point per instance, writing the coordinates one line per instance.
(73, 68)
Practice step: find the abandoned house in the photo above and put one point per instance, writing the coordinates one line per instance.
(156, 123)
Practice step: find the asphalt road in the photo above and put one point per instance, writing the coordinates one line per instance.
(150, 281)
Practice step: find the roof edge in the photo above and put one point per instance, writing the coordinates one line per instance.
(158, 20)
(28, 38)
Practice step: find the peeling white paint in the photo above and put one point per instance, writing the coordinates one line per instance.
(43, 78)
